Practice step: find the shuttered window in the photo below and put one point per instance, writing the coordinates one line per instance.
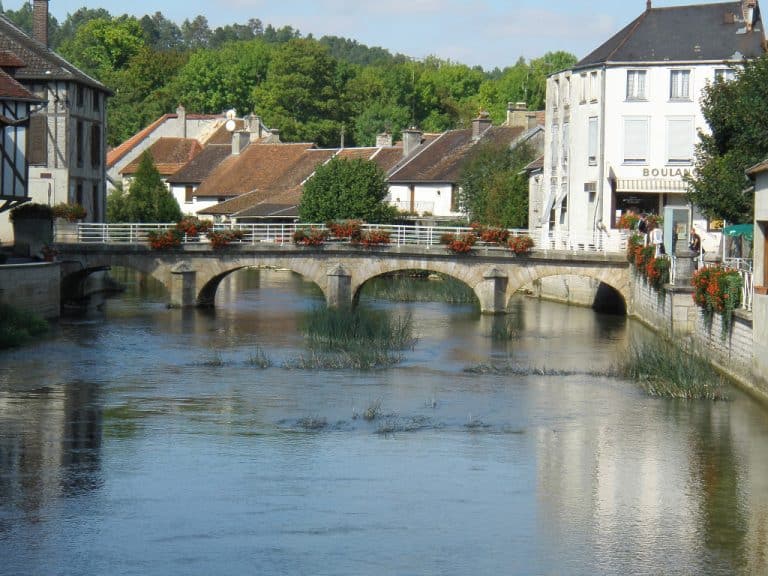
(680, 140)
(37, 142)
(680, 85)
(592, 143)
(636, 140)
(95, 145)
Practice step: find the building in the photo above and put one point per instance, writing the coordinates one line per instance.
(622, 124)
(65, 140)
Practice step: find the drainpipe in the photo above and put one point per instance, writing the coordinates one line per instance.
(601, 170)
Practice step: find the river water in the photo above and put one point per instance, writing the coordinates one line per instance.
(141, 440)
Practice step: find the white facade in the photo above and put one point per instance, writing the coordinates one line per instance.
(425, 199)
(620, 138)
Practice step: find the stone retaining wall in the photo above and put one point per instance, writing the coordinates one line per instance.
(34, 287)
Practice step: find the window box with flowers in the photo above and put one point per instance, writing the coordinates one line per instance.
(311, 237)
(371, 238)
(192, 227)
(520, 245)
(346, 229)
(223, 238)
(458, 244)
(717, 290)
(164, 239)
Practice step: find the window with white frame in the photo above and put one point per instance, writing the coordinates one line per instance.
(636, 84)
(592, 142)
(555, 93)
(584, 81)
(636, 140)
(555, 143)
(564, 154)
(725, 74)
(593, 87)
(680, 84)
(567, 91)
(680, 135)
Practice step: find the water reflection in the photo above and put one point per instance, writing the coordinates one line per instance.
(128, 452)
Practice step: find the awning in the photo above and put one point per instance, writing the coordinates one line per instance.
(745, 230)
(652, 186)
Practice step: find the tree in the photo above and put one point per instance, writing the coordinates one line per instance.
(148, 199)
(492, 189)
(197, 33)
(344, 189)
(737, 114)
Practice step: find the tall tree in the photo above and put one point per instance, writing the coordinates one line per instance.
(737, 114)
(492, 189)
(344, 189)
(148, 199)
(161, 33)
(196, 33)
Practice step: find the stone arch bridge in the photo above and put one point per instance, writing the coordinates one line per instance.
(193, 272)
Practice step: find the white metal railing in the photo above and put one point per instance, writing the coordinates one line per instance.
(400, 235)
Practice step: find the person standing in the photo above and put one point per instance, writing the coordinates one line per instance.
(695, 243)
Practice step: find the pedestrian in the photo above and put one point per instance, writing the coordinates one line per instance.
(642, 224)
(695, 244)
(657, 239)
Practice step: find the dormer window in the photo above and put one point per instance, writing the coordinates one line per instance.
(680, 85)
(636, 85)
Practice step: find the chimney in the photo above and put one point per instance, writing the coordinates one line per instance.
(40, 21)
(273, 137)
(253, 127)
(383, 140)
(181, 114)
(648, 5)
(411, 140)
(480, 125)
(240, 141)
(518, 116)
(748, 11)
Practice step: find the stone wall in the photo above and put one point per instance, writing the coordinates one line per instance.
(33, 287)
(673, 313)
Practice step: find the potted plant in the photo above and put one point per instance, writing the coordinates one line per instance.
(32, 228)
(66, 218)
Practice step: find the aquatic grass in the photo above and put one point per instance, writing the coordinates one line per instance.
(259, 358)
(360, 359)
(393, 424)
(373, 410)
(312, 423)
(509, 369)
(18, 326)
(215, 360)
(504, 329)
(339, 330)
(415, 287)
(666, 370)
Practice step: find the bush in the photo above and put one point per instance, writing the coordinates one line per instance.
(70, 212)
(32, 210)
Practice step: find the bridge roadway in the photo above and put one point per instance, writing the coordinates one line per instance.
(193, 272)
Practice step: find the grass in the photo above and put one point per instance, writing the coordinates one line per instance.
(358, 359)
(410, 287)
(312, 423)
(665, 370)
(259, 358)
(18, 327)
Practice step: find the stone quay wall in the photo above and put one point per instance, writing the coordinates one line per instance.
(34, 287)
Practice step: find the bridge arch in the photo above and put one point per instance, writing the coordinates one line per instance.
(359, 289)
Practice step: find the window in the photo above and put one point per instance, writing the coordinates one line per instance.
(680, 140)
(554, 145)
(724, 74)
(189, 194)
(680, 85)
(564, 154)
(636, 140)
(95, 145)
(636, 84)
(96, 99)
(79, 193)
(79, 144)
(593, 87)
(37, 141)
(592, 143)
(80, 95)
(584, 81)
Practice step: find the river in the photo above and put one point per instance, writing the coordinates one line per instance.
(139, 440)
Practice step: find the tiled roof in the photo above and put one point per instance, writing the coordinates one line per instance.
(443, 159)
(201, 166)
(168, 154)
(10, 89)
(387, 158)
(257, 204)
(704, 32)
(41, 63)
(223, 136)
(257, 167)
(537, 164)
(9, 60)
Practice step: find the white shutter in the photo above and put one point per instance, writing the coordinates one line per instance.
(636, 140)
(680, 140)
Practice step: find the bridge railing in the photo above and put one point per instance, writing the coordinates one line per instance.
(400, 235)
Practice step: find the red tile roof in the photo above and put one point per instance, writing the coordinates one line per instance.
(168, 154)
(10, 60)
(10, 89)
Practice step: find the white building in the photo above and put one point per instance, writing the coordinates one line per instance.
(622, 124)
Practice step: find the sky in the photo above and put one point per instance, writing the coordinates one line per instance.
(489, 33)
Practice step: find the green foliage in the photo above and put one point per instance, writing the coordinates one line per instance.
(346, 189)
(148, 199)
(493, 191)
(737, 113)
(18, 327)
(32, 210)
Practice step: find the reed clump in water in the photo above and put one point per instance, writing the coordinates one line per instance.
(404, 287)
(18, 327)
(666, 370)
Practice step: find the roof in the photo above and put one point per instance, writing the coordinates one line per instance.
(10, 89)
(758, 168)
(10, 60)
(537, 164)
(40, 62)
(443, 159)
(168, 154)
(704, 32)
(201, 166)
(256, 168)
